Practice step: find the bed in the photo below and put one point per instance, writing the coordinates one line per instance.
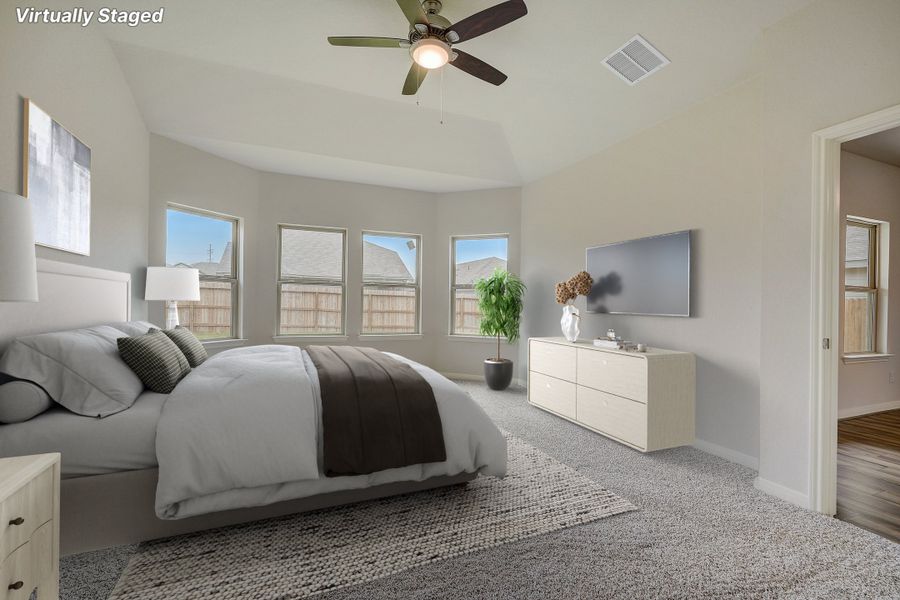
(113, 486)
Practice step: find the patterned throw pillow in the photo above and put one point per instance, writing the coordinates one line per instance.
(188, 343)
(155, 359)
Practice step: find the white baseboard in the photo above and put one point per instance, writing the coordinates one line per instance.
(727, 453)
(858, 411)
(471, 377)
(779, 491)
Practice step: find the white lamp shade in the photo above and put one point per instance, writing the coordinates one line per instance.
(18, 267)
(172, 283)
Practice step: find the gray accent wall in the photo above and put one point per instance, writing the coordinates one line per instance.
(72, 74)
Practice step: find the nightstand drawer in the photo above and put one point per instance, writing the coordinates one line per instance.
(24, 511)
(16, 579)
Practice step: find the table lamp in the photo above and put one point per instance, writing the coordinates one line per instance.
(18, 266)
(171, 284)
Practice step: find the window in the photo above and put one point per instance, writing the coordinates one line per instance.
(207, 242)
(390, 283)
(472, 258)
(865, 287)
(312, 273)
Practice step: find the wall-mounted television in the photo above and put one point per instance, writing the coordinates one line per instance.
(649, 276)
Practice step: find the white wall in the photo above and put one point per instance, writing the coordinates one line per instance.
(184, 175)
(826, 64)
(699, 171)
(72, 73)
(871, 189)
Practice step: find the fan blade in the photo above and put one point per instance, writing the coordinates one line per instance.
(413, 11)
(487, 20)
(414, 79)
(477, 67)
(368, 42)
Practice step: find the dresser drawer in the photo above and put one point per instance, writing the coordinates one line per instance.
(624, 376)
(16, 569)
(552, 359)
(618, 417)
(24, 511)
(551, 393)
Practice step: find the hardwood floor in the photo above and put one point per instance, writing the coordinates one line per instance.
(868, 470)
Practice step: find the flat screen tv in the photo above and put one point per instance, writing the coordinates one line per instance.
(649, 276)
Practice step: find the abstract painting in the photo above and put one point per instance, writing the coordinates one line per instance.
(57, 181)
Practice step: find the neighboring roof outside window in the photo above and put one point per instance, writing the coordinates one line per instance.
(468, 273)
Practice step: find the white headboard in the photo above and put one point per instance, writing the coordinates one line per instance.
(70, 297)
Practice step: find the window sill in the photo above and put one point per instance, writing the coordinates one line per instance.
(483, 339)
(310, 338)
(222, 344)
(865, 358)
(391, 336)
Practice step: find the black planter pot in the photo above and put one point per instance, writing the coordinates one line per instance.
(498, 373)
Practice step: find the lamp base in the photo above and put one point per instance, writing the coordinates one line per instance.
(171, 314)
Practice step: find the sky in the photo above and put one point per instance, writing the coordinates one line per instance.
(473, 249)
(188, 237)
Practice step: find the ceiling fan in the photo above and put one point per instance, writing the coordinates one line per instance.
(432, 36)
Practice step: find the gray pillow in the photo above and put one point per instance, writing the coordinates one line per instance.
(133, 328)
(187, 342)
(80, 369)
(155, 359)
(21, 400)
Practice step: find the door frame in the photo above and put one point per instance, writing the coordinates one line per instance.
(825, 294)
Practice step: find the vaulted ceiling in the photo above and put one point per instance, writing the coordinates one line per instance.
(256, 82)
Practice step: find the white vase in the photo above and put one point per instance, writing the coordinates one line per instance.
(569, 323)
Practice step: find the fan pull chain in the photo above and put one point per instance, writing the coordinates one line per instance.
(442, 95)
(418, 85)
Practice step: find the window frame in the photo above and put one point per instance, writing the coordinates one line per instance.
(417, 286)
(874, 289)
(455, 286)
(280, 280)
(236, 275)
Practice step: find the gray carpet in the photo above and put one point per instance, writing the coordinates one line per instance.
(701, 531)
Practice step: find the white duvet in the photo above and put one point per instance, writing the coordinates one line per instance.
(244, 428)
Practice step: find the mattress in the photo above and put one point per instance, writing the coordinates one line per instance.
(121, 442)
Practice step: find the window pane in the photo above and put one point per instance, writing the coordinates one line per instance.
(389, 258)
(311, 309)
(212, 317)
(466, 317)
(201, 242)
(478, 258)
(856, 267)
(389, 310)
(859, 322)
(312, 254)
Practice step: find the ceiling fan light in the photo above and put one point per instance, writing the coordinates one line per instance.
(430, 53)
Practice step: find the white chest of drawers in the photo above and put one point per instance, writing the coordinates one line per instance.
(644, 400)
(29, 527)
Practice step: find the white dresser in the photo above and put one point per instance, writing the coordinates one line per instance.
(29, 527)
(642, 399)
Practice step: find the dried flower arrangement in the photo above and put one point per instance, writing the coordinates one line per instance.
(578, 285)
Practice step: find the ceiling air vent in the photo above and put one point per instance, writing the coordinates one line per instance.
(635, 60)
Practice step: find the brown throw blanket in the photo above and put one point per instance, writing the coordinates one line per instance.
(377, 412)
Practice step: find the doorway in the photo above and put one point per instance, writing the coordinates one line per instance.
(826, 292)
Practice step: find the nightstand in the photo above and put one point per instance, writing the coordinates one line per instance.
(29, 527)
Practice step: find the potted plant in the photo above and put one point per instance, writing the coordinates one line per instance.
(500, 299)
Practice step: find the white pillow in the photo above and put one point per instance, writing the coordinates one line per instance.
(22, 400)
(80, 369)
(133, 328)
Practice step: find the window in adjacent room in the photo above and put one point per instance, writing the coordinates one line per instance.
(472, 258)
(312, 277)
(210, 243)
(865, 287)
(391, 271)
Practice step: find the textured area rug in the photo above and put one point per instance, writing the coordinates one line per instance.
(303, 555)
